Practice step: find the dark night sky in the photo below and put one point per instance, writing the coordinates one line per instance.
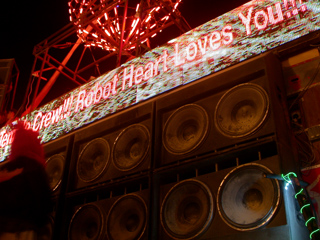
(24, 24)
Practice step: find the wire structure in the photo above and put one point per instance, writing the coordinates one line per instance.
(102, 35)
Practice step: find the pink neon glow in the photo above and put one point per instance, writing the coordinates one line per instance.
(137, 8)
(278, 13)
(262, 15)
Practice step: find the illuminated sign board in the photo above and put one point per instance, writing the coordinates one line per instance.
(251, 29)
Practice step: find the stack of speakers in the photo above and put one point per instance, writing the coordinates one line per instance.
(198, 162)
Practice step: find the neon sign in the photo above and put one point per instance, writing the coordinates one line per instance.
(251, 29)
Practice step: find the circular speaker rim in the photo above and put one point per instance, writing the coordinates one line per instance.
(258, 126)
(210, 214)
(92, 205)
(63, 160)
(172, 115)
(146, 131)
(270, 214)
(120, 199)
(105, 166)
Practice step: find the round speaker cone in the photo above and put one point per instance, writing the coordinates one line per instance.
(246, 199)
(54, 169)
(185, 129)
(131, 147)
(93, 160)
(87, 223)
(241, 110)
(187, 210)
(127, 218)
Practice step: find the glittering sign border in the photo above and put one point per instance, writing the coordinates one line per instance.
(251, 29)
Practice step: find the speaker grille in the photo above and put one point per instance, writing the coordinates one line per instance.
(127, 219)
(54, 169)
(241, 110)
(131, 147)
(93, 160)
(246, 199)
(87, 223)
(185, 129)
(187, 210)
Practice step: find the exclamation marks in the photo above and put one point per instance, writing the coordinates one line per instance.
(294, 10)
(303, 7)
(67, 105)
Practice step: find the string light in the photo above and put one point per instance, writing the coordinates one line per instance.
(304, 205)
(119, 25)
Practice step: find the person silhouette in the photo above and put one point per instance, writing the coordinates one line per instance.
(25, 202)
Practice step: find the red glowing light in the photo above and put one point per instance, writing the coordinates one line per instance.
(119, 24)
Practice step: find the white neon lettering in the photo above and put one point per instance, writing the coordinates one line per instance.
(97, 93)
(37, 127)
(47, 119)
(177, 60)
(204, 46)
(81, 97)
(88, 100)
(247, 20)
(56, 115)
(279, 18)
(227, 34)
(115, 82)
(139, 75)
(149, 71)
(215, 40)
(264, 17)
(191, 56)
(108, 85)
(129, 77)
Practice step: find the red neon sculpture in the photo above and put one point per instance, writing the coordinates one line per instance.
(120, 26)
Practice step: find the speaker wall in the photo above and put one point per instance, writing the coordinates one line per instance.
(237, 105)
(115, 218)
(248, 205)
(117, 147)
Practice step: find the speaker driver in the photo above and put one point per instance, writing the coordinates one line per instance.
(127, 218)
(187, 210)
(185, 129)
(93, 160)
(54, 169)
(241, 110)
(246, 199)
(131, 147)
(87, 223)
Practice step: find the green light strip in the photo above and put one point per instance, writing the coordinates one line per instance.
(310, 219)
(307, 205)
(287, 176)
(296, 195)
(314, 233)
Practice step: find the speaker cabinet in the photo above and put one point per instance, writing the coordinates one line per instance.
(236, 202)
(56, 153)
(235, 106)
(117, 147)
(121, 217)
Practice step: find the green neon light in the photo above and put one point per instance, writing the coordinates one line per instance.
(296, 195)
(310, 219)
(287, 176)
(307, 205)
(314, 233)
